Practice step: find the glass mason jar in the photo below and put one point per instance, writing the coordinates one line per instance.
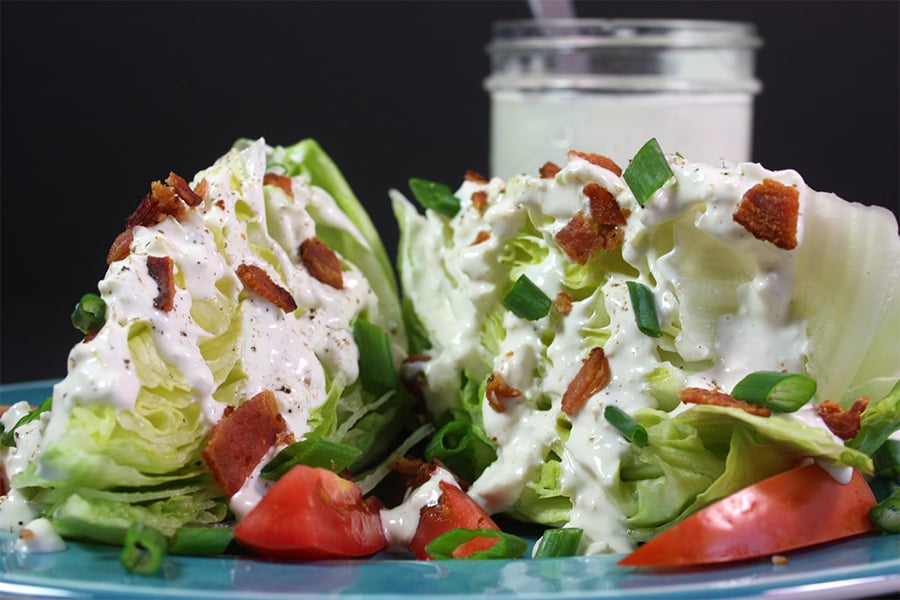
(608, 86)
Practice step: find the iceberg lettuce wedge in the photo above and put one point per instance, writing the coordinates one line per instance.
(729, 300)
(125, 438)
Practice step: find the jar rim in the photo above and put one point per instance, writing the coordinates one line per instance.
(520, 35)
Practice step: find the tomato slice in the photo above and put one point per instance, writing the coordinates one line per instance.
(455, 509)
(797, 508)
(312, 513)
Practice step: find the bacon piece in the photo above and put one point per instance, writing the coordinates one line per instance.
(162, 270)
(480, 237)
(121, 246)
(604, 208)
(479, 200)
(593, 376)
(770, 211)
(842, 423)
(597, 159)
(549, 170)
(694, 395)
(201, 187)
(497, 391)
(563, 303)
(241, 439)
(412, 375)
(259, 281)
(580, 238)
(321, 262)
(183, 190)
(476, 177)
(280, 181)
(162, 201)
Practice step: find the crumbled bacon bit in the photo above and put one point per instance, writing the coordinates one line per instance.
(842, 423)
(694, 395)
(563, 303)
(202, 187)
(220, 203)
(610, 236)
(597, 159)
(162, 201)
(25, 534)
(416, 469)
(412, 374)
(579, 239)
(476, 177)
(479, 200)
(321, 262)
(280, 181)
(481, 237)
(549, 170)
(604, 208)
(241, 438)
(770, 211)
(497, 391)
(162, 270)
(779, 559)
(121, 247)
(593, 376)
(183, 190)
(259, 281)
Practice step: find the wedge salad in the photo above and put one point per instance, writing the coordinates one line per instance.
(230, 324)
(554, 315)
(618, 356)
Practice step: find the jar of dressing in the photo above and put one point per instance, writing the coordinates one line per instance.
(608, 86)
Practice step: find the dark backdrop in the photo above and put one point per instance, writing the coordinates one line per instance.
(98, 99)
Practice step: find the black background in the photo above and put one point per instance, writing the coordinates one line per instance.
(98, 99)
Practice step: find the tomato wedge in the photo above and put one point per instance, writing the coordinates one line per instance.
(312, 513)
(797, 508)
(455, 509)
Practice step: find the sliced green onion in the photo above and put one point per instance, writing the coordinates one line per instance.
(783, 392)
(8, 438)
(456, 445)
(887, 459)
(144, 549)
(630, 429)
(201, 541)
(559, 542)
(644, 306)
(508, 546)
(89, 314)
(526, 300)
(451, 439)
(314, 452)
(648, 171)
(886, 514)
(376, 360)
(436, 196)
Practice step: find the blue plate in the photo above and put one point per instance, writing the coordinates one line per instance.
(858, 567)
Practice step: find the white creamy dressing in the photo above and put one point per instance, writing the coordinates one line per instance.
(239, 221)
(400, 522)
(253, 490)
(743, 324)
(15, 510)
(38, 536)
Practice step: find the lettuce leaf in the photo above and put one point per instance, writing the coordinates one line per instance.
(853, 349)
(308, 158)
(708, 452)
